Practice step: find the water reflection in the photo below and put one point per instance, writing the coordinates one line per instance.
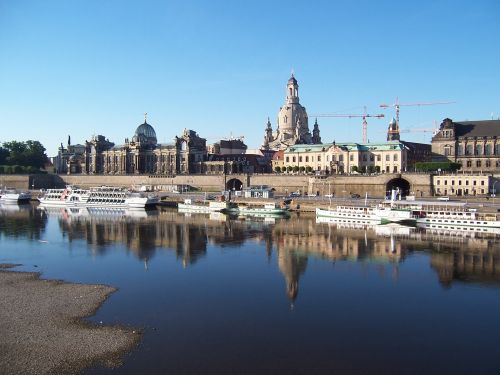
(20, 221)
(456, 255)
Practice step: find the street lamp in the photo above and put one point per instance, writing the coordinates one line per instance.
(494, 191)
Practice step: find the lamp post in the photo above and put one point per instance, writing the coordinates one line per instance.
(494, 191)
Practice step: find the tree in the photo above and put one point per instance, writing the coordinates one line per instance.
(302, 169)
(354, 168)
(371, 169)
(309, 169)
(289, 168)
(435, 166)
(277, 169)
(29, 153)
(295, 168)
(377, 169)
(4, 154)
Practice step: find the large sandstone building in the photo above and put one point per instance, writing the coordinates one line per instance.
(474, 144)
(293, 123)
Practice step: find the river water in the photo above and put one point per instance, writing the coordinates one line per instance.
(231, 296)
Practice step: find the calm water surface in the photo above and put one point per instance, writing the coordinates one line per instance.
(294, 296)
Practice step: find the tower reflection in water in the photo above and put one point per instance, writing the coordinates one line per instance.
(455, 255)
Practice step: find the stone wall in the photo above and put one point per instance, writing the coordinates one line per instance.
(375, 186)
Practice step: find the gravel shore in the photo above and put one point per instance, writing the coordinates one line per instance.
(42, 331)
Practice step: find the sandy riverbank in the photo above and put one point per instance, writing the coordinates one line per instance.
(42, 331)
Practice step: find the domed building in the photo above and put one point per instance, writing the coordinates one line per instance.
(293, 123)
(145, 134)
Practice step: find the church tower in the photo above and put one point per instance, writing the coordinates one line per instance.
(268, 137)
(393, 131)
(293, 122)
(316, 138)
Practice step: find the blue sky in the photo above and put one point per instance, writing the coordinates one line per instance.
(94, 67)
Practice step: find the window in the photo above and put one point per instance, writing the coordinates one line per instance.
(387, 157)
(351, 158)
(447, 150)
(395, 157)
(497, 151)
(453, 182)
(300, 159)
(307, 158)
(460, 149)
(469, 163)
(460, 182)
(488, 149)
(372, 157)
(478, 163)
(438, 182)
(482, 183)
(479, 149)
(488, 163)
(468, 150)
(319, 157)
(293, 159)
(365, 158)
(341, 157)
(474, 182)
(379, 157)
(287, 159)
(467, 182)
(446, 182)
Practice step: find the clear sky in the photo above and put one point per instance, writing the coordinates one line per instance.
(94, 67)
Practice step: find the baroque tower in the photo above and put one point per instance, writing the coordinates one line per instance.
(293, 122)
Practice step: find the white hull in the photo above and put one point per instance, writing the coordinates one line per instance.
(436, 222)
(15, 197)
(366, 215)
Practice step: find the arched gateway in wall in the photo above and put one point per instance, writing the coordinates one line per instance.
(398, 184)
(234, 184)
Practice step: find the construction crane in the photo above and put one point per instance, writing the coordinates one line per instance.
(348, 115)
(397, 105)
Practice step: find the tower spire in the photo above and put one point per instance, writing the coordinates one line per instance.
(145, 117)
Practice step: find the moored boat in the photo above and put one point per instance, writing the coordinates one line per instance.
(206, 207)
(368, 215)
(69, 196)
(11, 195)
(273, 209)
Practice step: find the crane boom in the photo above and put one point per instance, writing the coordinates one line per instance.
(352, 115)
(397, 105)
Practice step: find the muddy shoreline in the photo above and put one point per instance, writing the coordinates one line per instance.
(43, 330)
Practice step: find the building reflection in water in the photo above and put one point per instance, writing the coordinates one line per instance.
(21, 221)
(455, 255)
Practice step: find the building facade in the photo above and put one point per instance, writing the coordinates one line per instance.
(463, 184)
(336, 158)
(473, 144)
(141, 154)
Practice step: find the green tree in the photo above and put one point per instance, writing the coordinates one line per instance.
(302, 169)
(29, 153)
(289, 168)
(309, 169)
(354, 168)
(377, 169)
(295, 168)
(277, 169)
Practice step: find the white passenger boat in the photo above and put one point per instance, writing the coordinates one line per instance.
(456, 218)
(206, 207)
(368, 215)
(451, 214)
(11, 195)
(108, 196)
(272, 209)
(69, 196)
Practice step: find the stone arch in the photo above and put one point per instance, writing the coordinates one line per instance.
(234, 184)
(398, 183)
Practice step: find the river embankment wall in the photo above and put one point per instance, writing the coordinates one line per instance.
(340, 185)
